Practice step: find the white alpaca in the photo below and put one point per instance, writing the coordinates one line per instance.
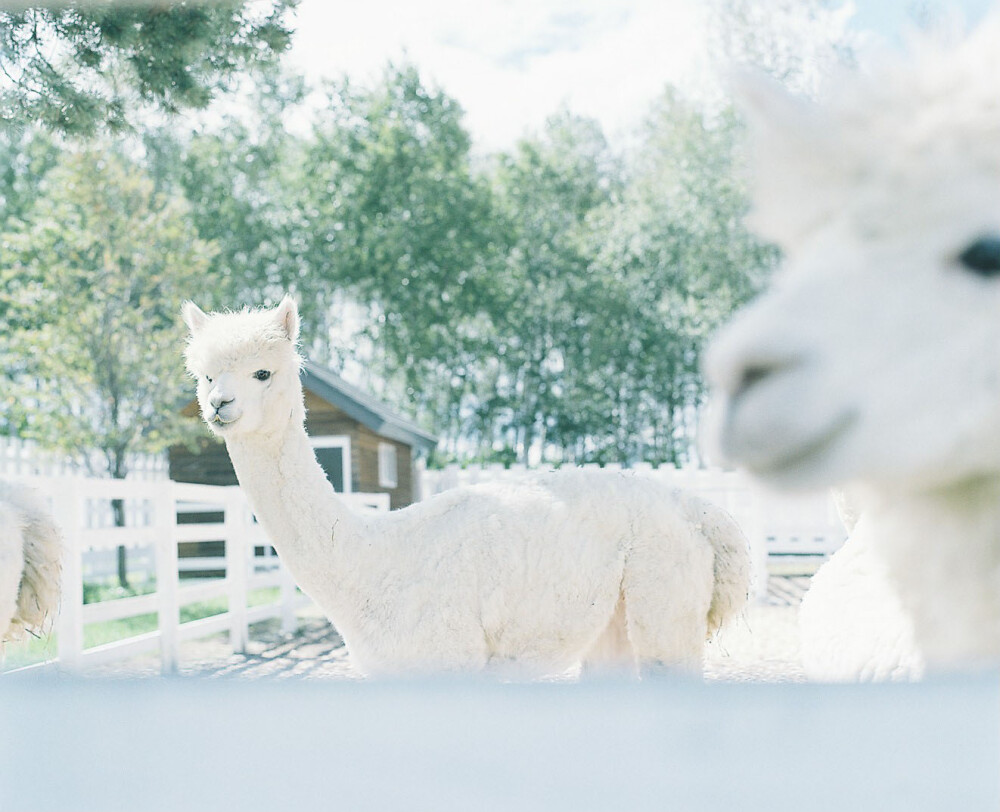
(30, 563)
(875, 357)
(852, 623)
(529, 579)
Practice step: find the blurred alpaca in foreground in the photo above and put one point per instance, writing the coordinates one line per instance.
(874, 360)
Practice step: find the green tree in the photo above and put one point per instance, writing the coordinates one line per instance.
(405, 223)
(378, 208)
(246, 182)
(681, 233)
(80, 68)
(556, 297)
(25, 157)
(92, 280)
(549, 190)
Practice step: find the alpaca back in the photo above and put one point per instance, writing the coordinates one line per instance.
(30, 539)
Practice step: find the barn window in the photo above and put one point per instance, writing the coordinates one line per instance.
(388, 475)
(334, 456)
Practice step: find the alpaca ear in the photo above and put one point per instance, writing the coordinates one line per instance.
(194, 317)
(764, 101)
(287, 316)
(780, 123)
(794, 150)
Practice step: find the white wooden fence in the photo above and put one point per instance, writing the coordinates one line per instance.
(775, 524)
(248, 564)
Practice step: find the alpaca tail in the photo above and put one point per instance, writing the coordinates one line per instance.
(732, 567)
(41, 539)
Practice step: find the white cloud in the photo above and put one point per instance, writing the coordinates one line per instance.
(511, 63)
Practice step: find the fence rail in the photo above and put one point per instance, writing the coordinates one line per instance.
(162, 514)
(247, 565)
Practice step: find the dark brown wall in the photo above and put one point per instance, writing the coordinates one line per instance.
(209, 464)
(364, 450)
(323, 418)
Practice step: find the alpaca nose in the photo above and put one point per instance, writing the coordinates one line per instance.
(757, 371)
(735, 369)
(218, 400)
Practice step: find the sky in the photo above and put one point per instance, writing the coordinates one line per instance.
(512, 63)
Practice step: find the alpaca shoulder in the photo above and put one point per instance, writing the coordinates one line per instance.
(852, 621)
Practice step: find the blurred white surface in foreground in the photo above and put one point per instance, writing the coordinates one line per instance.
(77, 744)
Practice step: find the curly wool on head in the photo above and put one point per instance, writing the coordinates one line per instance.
(885, 134)
(233, 335)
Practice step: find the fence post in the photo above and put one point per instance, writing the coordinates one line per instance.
(238, 553)
(67, 504)
(289, 594)
(167, 585)
(757, 535)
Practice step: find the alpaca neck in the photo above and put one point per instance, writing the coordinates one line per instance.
(943, 550)
(310, 527)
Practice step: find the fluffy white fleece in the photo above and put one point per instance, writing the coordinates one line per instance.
(874, 360)
(526, 580)
(30, 563)
(852, 622)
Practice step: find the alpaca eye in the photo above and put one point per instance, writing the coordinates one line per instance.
(262, 374)
(982, 256)
(208, 379)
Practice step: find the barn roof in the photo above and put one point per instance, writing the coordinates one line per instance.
(356, 404)
(363, 407)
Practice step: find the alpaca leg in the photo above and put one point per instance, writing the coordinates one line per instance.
(679, 649)
(612, 651)
(666, 609)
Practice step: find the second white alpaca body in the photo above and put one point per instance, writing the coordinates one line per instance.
(853, 624)
(30, 563)
(528, 579)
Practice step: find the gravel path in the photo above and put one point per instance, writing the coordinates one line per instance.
(762, 646)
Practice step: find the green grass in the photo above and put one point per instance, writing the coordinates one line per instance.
(109, 591)
(97, 634)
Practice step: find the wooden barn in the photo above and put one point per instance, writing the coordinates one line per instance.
(364, 446)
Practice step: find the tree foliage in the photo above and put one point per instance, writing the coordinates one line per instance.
(551, 301)
(82, 68)
(407, 226)
(92, 279)
(548, 191)
(245, 181)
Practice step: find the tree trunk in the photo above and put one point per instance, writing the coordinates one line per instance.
(119, 469)
(118, 510)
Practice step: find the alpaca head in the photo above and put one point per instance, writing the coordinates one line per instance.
(246, 367)
(876, 354)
